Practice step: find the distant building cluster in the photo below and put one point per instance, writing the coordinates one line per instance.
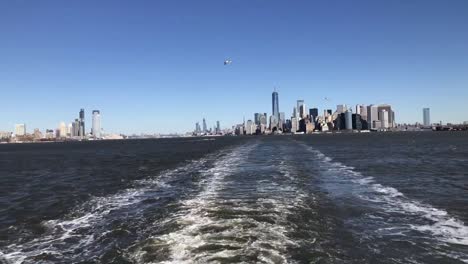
(73, 131)
(305, 120)
(204, 130)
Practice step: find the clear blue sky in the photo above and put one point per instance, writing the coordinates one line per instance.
(154, 66)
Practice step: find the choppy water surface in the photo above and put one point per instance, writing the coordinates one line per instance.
(374, 198)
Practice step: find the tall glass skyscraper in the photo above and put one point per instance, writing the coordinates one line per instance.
(96, 124)
(205, 129)
(313, 113)
(426, 117)
(275, 105)
(300, 108)
(82, 130)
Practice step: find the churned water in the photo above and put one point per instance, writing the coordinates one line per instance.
(343, 198)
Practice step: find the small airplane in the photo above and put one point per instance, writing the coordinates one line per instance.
(227, 62)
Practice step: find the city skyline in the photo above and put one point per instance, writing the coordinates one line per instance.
(410, 55)
(369, 113)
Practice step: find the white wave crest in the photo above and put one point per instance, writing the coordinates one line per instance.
(444, 227)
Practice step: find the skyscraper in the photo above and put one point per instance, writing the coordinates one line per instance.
(62, 130)
(358, 109)
(82, 130)
(218, 127)
(391, 114)
(250, 127)
(426, 117)
(20, 129)
(263, 120)
(301, 108)
(69, 130)
(273, 123)
(205, 129)
(76, 128)
(349, 119)
(275, 104)
(363, 112)
(313, 113)
(294, 124)
(384, 119)
(372, 116)
(257, 118)
(341, 108)
(282, 118)
(96, 130)
(303, 111)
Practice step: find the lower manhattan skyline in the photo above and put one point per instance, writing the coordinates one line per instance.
(156, 72)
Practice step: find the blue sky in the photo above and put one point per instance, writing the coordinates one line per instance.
(154, 66)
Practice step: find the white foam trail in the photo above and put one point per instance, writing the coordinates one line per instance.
(444, 227)
(62, 229)
(239, 235)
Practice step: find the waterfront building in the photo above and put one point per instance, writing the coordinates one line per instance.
(301, 109)
(20, 130)
(363, 112)
(76, 128)
(218, 127)
(294, 124)
(310, 126)
(302, 125)
(313, 114)
(37, 134)
(263, 120)
(384, 119)
(96, 130)
(295, 114)
(341, 108)
(69, 130)
(275, 104)
(358, 122)
(205, 129)
(5, 135)
(372, 116)
(391, 114)
(62, 130)
(339, 123)
(273, 123)
(49, 134)
(250, 127)
(239, 129)
(426, 117)
(377, 124)
(82, 131)
(306, 126)
(282, 118)
(349, 119)
(257, 118)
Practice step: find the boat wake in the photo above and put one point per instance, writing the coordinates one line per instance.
(231, 220)
(80, 235)
(429, 221)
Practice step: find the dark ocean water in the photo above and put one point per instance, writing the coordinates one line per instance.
(345, 198)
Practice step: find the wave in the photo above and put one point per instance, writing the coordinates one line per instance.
(438, 222)
(79, 231)
(217, 225)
